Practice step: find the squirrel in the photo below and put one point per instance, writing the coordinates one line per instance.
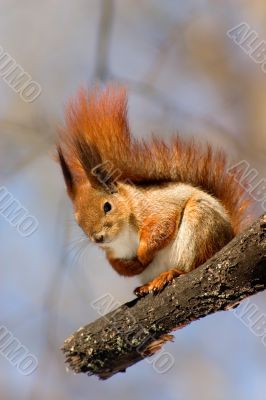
(157, 209)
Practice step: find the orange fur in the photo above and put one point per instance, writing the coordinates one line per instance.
(126, 267)
(211, 245)
(155, 234)
(157, 284)
(97, 124)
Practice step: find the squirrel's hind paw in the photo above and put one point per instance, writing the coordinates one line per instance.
(158, 284)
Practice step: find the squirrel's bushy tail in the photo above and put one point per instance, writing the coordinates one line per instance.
(96, 130)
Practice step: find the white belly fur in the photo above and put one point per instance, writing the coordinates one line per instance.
(126, 244)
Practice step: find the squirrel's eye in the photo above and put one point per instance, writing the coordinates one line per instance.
(107, 207)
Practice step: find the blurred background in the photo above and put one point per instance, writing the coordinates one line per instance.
(183, 74)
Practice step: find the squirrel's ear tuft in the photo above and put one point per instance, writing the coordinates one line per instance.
(66, 172)
(99, 173)
(105, 175)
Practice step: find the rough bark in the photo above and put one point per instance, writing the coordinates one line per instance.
(126, 335)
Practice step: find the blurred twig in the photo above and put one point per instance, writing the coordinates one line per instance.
(103, 40)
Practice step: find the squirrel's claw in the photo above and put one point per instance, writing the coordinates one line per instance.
(158, 284)
(142, 291)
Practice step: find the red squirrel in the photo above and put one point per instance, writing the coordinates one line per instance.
(157, 209)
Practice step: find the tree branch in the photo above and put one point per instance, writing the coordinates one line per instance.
(138, 328)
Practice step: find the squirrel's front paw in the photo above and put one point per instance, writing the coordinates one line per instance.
(142, 291)
(157, 284)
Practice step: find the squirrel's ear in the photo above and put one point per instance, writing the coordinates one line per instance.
(69, 180)
(99, 173)
(105, 176)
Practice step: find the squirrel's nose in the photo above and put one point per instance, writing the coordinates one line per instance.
(97, 237)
